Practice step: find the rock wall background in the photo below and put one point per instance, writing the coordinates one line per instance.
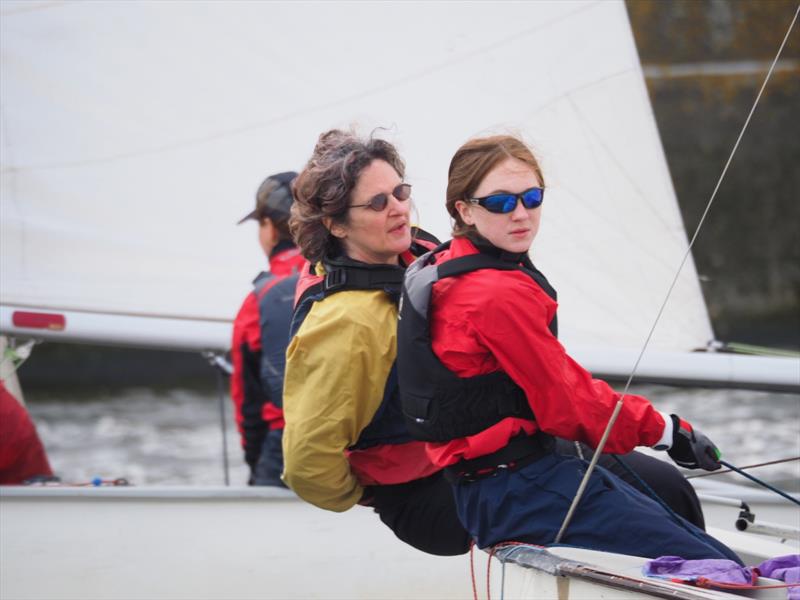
(704, 62)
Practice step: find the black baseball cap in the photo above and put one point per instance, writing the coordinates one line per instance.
(273, 198)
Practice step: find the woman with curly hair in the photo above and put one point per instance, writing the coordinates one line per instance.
(345, 441)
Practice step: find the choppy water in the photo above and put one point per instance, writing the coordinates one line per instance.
(173, 436)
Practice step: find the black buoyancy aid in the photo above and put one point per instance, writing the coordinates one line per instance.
(341, 274)
(438, 405)
(275, 298)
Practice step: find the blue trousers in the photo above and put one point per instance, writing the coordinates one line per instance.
(529, 505)
(270, 464)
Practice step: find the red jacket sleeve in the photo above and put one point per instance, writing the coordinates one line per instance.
(22, 454)
(566, 400)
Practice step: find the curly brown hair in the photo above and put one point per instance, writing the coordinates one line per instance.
(473, 161)
(322, 190)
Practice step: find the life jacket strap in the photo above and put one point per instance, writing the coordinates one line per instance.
(522, 450)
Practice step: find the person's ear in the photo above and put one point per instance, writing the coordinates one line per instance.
(465, 212)
(269, 230)
(337, 229)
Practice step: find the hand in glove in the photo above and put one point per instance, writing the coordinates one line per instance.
(691, 449)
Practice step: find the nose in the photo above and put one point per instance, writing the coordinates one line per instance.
(398, 207)
(520, 212)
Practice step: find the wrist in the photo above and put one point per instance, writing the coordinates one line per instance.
(667, 436)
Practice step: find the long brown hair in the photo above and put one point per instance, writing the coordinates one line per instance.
(473, 161)
(323, 188)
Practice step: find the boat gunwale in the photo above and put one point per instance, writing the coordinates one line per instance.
(148, 492)
(542, 560)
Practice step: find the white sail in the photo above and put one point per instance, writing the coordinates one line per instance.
(135, 134)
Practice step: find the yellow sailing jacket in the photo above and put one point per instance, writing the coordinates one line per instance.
(337, 367)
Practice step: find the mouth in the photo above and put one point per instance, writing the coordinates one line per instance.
(519, 232)
(398, 229)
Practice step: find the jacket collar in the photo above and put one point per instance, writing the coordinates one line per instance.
(484, 246)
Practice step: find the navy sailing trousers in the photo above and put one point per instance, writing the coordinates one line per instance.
(422, 513)
(529, 505)
(270, 463)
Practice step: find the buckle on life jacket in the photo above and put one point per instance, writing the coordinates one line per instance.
(335, 279)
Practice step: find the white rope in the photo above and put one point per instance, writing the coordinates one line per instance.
(618, 406)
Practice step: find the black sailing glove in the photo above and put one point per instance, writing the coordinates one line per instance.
(691, 449)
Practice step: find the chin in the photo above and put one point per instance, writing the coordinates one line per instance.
(516, 246)
(401, 245)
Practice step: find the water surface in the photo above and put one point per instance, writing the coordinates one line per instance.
(173, 435)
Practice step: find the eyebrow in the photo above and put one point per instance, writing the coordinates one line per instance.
(401, 182)
(503, 192)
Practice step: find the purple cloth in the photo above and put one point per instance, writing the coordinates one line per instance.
(784, 568)
(787, 569)
(716, 569)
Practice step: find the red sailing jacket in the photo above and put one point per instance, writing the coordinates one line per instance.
(490, 320)
(254, 412)
(22, 454)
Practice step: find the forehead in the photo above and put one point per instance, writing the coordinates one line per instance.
(379, 176)
(511, 175)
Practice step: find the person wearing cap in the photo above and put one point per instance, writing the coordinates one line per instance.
(261, 333)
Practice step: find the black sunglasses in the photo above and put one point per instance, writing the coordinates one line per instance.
(506, 203)
(402, 192)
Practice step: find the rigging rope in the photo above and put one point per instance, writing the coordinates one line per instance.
(703, 582)
(222, 367)
(759, 482)
(472, 569)
(686, 255)
(723, 471)
(221, 395)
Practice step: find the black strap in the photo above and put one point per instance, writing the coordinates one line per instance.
(473, 262)
(491, 257)
(425, 236)
(339, 278)
(373, 278)
(520, 451)
(343, 273)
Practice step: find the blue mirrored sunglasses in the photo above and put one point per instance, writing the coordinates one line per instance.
(506, 203)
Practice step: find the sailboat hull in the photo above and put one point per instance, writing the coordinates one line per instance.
(108, 543)
(165, 543)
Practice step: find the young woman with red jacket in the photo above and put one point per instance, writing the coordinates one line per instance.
(485, 382)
